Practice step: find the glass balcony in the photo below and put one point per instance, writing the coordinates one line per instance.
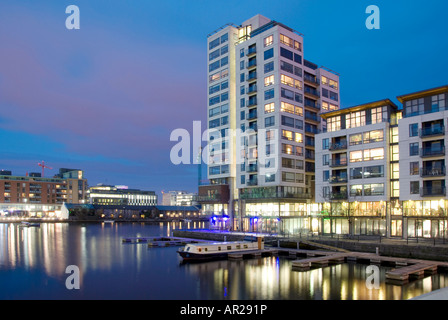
(251, 115)
(432, 152)
(338, 179)
(432, 131)
(342, 145)
(251, 89)
(432, 191)
(310, 79)
(252, 168)
(251, 51)
(432, 172)
(338, 163)
(339, 196)
(252, 182)
(251, 76)
(251, 64)
(252, 102)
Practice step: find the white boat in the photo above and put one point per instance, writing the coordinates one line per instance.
(218, 250)
(108, 221)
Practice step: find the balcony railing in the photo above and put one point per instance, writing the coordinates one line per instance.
(428, 152)
(251, 51)
(253, 128)
(251, 64)
(212, 197)
(252, 102)
(338, 163)
(251, 115)
(432, 131)
(311, 91)
(252, 182)
(432, 191)
(275, 195)
(311, 80)
(311, 117)
(432, 172)
(338, 196)
(252, 168)
(338, 179)
(338, 146)
(251, 89)
(251, 76)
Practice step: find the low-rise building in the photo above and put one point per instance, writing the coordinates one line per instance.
(121, 196)
(179, 198)
(34, 195)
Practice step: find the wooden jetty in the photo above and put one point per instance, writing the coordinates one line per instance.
(239, 255)
(405, 269)
(321, 261)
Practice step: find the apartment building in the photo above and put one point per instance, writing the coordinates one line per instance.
(33, 195)
(423, 161)
(273, 99)
(216, 196)
(121, 196)
(179, 198)
(357, 169)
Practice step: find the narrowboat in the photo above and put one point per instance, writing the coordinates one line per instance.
(218, 250)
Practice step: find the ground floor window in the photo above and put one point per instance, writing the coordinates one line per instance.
(396, 228)
(364, 226)
(336, 226)
(427, 228)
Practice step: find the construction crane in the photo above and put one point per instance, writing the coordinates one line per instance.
(43, 167)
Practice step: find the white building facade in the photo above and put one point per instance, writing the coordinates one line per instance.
(275, 98)
(357, 161)
(423, 179)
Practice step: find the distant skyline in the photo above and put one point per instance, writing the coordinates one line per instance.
(105, 98)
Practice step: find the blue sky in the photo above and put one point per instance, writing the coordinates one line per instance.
(105, 98)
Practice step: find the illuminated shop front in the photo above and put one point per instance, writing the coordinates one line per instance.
(355, 218)
(286, 218)
(426, 218)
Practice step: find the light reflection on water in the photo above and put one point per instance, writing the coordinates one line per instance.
(33, 263)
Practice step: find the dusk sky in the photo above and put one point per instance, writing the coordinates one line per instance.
(105, 98)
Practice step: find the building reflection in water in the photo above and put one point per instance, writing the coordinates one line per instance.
(272, 278)
(99, 253)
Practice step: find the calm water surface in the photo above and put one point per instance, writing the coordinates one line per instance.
(33, 263)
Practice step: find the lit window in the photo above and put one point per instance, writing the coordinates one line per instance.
(355, 119)
(334, 124)
(356, 156)
(374, 154)
(287, 107)
(286, 134)
(373, 136)
(269, 81)
(268, 41)
(268, 108)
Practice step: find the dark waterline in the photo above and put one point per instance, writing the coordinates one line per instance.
(33, 263)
